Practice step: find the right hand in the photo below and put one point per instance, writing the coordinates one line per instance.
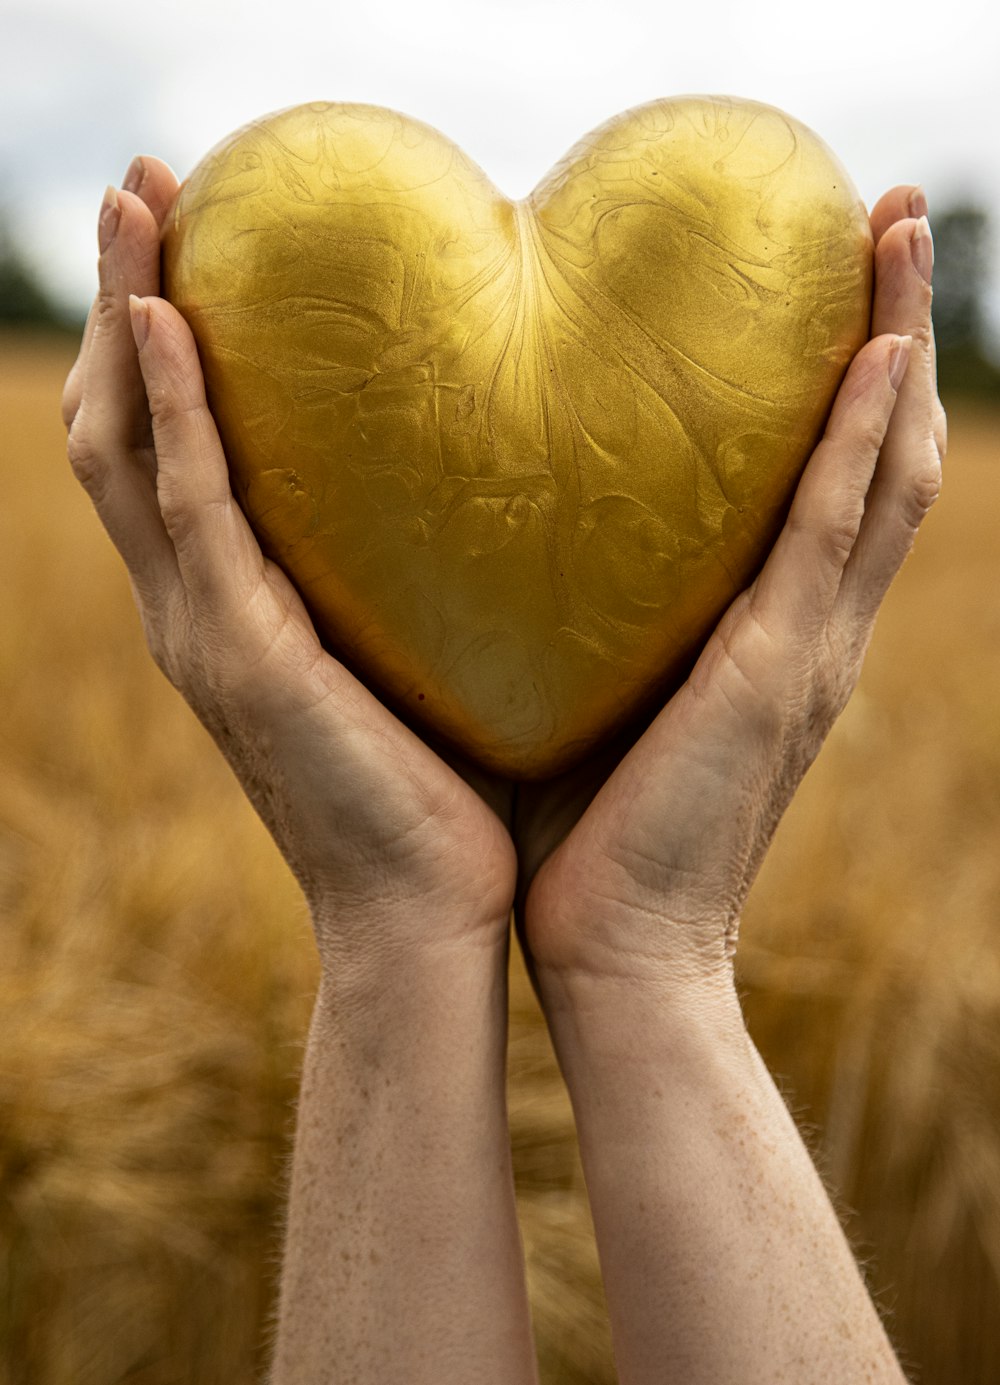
(390, 845)
(653, 874)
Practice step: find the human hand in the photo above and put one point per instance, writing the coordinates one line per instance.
(385, 839)
(656, 870)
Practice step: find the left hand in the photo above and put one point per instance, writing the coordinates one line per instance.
(656, 869)
(391, 847)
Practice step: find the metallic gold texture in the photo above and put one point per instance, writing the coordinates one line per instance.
(518, 457)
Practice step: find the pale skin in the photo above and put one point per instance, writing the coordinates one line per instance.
(722, 1256)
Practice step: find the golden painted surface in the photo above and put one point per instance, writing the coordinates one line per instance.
(518, 457)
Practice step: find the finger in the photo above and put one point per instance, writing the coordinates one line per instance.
(904, 203)
(893, 206)
(110, 440)
(155, 184)
(908, 476)
(129, 263)
(798, 585)
(901, 298)
(219, 559)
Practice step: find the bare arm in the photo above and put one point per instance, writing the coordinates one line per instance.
(403, 1260)
(722, 1256)
(723, 1260)
(403, 1256)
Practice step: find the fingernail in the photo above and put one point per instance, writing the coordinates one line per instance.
(922, 249)
(899, 358)
(136, 171)
(918, 202)
(107, 222)
(139, 313)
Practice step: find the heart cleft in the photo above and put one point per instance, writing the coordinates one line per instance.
(519, 457)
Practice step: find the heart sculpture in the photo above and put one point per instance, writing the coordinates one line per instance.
(518, 457)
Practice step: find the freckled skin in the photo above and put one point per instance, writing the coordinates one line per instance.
(519, 458)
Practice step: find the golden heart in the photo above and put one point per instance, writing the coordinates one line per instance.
(518, 457)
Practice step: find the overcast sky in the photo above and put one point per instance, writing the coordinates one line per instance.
(902, 93)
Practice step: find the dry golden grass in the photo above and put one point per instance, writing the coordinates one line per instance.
(156, 972)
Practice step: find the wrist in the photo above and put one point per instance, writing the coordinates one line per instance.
(620, 975)
(383, 945)
(580, 941)
(589, 913)
(416, 1017)
(621, 1004)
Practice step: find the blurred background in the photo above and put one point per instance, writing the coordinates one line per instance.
(156, 965)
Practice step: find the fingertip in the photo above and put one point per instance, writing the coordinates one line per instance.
(139, 315)
(153, 182)
(922, 249)
(899, 359)
(896, 240)
(899, 202)
(168, 355)
(135, 175)
(867, 376)
(904, 261)
(917, 202)
(108, 221)
(156, 322)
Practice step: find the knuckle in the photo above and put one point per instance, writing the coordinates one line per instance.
(177, 517)
(922, 492)
(922, 333)
(187, 520)
(86, 459)
(836, 540)
(107, 305)
(940, 431)
(162, 405)
(832, 536)
(72, 396)
(868, 437)
(860, 438)
(69, 405)
(167, 407)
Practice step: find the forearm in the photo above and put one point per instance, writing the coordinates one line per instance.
(722, 1256)
(403, 1260)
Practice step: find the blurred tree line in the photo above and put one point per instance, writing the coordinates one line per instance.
(961, 273)
(962, 237)
(24, 302)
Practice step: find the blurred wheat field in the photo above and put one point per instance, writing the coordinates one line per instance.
(157, 972)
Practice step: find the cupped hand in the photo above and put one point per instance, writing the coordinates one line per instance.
(388, 843)
(655, 871)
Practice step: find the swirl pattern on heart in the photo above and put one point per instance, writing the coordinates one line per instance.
(518, 457)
